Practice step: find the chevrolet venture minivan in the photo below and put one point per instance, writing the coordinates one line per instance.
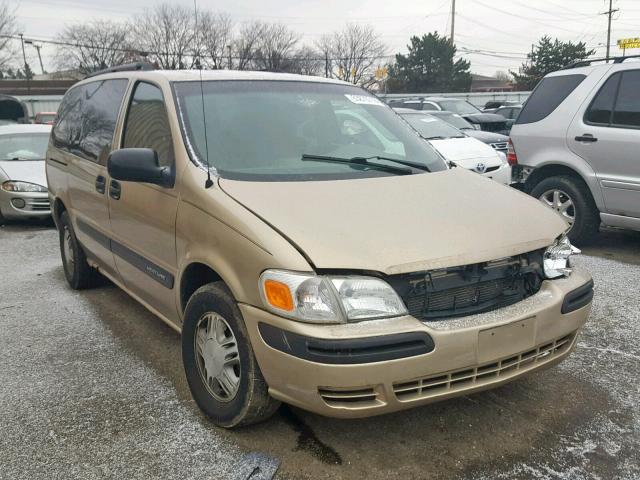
(302, 259)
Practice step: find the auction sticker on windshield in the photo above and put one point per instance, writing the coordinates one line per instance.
(363, 99)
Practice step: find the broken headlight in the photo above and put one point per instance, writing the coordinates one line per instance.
(556, 258)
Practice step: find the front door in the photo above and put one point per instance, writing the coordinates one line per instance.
(607, 136)
(142, 215)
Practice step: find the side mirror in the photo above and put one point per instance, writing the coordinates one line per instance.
(139, 165)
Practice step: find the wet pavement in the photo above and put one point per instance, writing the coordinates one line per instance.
(91, 386)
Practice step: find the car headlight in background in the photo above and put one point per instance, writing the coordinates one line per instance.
(15, 186)
(328, 299)
(556, 258)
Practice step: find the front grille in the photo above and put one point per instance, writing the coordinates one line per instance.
(481, 374)
(469, 289)
(350, 398)
(37, 204)
(493, 126)
(500, 146)
(492, 169)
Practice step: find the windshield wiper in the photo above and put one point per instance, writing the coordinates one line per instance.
(436, 137)
(365, 161)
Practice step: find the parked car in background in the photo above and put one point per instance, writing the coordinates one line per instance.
(485, 121)
(455, 146)
(576, 145)
(510, 113)
(497, 141)
(23, 183)
(46, 118)
(491, 105)
(12, 111)
(302, 259)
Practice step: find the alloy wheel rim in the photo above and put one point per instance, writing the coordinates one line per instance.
(560, 202)
(217, 356)
(69, 258)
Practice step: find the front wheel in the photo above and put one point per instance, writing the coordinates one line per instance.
(571, 199)
(221, 369)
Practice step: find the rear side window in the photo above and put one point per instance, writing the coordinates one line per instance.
(429, 106)
(87, 119)
(617, 103)
(601, 107)
(547, 96)
(147, 123)
(626, 112)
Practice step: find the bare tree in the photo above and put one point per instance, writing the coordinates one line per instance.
(503, 76)
(244, 47)
(93, 46)
(215, 37)
(354, 53)
(274, 48)
(167, 34)
(308, 61)
(7, 29)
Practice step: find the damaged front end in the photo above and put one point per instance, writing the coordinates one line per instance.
(469, 289)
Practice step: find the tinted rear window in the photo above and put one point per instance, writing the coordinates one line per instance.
(547, 96)
(87, 119)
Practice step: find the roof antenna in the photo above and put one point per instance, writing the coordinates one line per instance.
(208, 183)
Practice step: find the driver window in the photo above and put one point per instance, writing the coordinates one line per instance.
(147, 124)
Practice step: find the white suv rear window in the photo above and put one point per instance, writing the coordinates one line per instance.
(547, 96)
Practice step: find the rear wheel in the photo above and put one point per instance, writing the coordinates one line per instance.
(74, 261)
(571, 199)
(221, 369)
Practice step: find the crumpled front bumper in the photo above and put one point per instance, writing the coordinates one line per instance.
(469, 353)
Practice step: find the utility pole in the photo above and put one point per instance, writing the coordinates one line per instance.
(37, 47)
(26, 67)
(609, 13)
(453, 20)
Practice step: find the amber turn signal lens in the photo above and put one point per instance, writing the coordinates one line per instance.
(278, 295)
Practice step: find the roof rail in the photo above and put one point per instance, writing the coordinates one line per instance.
(587, 62)
(129, 67)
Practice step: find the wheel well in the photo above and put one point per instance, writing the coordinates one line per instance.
(58, 208)
(195, 276)
(547, 171)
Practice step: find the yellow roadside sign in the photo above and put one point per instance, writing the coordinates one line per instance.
(625, 43)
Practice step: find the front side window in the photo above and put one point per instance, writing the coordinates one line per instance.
(147, 123)
(547, 96)
(87, 119)
(23, 146)
(260, 130)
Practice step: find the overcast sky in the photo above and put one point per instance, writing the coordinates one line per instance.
(502, 31)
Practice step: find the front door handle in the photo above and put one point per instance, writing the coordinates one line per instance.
(115, 190)
(101, 182)
(586, 137)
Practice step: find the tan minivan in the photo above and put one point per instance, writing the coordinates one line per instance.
(307, 243)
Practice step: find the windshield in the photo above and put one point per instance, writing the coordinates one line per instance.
(431, 127)
(456, 120)
(23, 146)
(461, 107)
(260, 130)
(46, 117)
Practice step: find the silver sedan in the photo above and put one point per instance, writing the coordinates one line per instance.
(23, 182)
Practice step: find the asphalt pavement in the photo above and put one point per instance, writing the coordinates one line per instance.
(92, 386)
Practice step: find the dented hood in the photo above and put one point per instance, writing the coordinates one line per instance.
(403, 223)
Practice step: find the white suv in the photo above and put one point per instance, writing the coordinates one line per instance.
(576, 145)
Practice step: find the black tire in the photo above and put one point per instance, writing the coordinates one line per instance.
(1, 219)
(78, 272)
(587, 217)
(251, 403)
